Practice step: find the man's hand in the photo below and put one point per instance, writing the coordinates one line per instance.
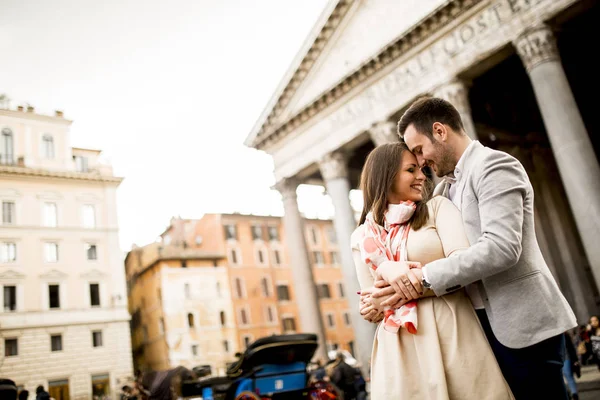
(402, 278)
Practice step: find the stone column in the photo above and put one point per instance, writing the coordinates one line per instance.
(304, 283)
(384, 132)
(573, 151)
(457, 93)
(335, 173)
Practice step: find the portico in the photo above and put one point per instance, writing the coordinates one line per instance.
(501, 63)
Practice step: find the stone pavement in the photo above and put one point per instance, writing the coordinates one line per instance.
(589, 383)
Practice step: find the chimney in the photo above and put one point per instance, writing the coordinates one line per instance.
(19, 108)
(58, 114)
(30, 109)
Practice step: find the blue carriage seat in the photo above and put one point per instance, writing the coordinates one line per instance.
(275, 364)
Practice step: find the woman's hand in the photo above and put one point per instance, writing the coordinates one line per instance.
(399, 276)
(384, 296)
(368, 310)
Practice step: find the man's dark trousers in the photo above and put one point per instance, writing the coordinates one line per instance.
(533, 372)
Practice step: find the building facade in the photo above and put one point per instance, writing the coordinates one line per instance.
(515, 69)
(64, 322)
(224, 281)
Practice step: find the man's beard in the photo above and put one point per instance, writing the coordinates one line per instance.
(446, 164)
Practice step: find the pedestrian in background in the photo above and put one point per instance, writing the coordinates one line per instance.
(571, 366)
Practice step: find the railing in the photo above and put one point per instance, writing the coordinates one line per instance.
(7, 159)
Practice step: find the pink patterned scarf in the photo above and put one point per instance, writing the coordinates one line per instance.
(388, 243)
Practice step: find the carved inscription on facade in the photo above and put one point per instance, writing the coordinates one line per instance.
(441, 53)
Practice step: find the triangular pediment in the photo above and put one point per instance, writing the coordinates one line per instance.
(11, 274)
(53, 274)
(366, 29)
(93, 274)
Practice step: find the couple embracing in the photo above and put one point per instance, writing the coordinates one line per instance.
(466, 305)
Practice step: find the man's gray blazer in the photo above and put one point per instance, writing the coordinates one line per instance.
(521, 297)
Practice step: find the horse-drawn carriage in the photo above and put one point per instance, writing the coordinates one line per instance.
(271, 368)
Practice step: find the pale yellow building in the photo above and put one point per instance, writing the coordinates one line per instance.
(64, 322)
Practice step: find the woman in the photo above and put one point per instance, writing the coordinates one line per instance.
(447, 355)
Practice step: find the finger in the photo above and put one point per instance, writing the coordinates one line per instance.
(413, 264)
(406, 282)
(370, 316)
(416, 282)
(366, 310)
(384, 292)
(381, 284)
(399, 304)
(400, 289)
(395, 298)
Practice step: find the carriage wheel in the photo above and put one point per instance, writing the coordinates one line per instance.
(247, 395)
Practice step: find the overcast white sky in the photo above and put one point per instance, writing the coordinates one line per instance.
(168, 89)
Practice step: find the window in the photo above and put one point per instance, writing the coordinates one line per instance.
(318, 258)
(351, 348)
(314, 236)
(273, 233)
(260, 254)
(347, 319)
(183, 264)
(190, 318)
(89, 216)
(230, 232)
(194, 350)
(331, 235)
(50, 215)
(289, 324)
(234, 257)
(81, 163)
(330, 320)
(219, 294)
(226, 346)
(257, 232)
(244, 316)
(8, 252)
(277, 257)
(222, 317)
(48, 146)
(270, 314)
(161, 325)
(323, 291)
(54, 296)
(247, 341)
(341, 290)
(8, 212)
(335, 257)
(145, 332)
(51, 252)
(97, 337)
(91, 252)
(266, 287)
(239, 288)
(94, 294)
(56, 343)
(186, 290)
(283, 292)
(10, 298)
(11, 347)
(6, 147)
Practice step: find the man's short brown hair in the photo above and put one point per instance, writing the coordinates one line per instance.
(427, 110)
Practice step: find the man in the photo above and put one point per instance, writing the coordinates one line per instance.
(8, 389)
(344, 377)
(518, 302)
(41, 394)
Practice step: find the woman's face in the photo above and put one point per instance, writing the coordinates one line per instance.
(594, 322)
(409, 181)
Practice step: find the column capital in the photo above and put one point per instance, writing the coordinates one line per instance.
(536, 46)
(383, 132)
(456, 92)
(334, 165)
(287, 187)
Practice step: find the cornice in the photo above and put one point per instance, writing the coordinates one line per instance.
(44, 173)
(34, 116)
(271, 132)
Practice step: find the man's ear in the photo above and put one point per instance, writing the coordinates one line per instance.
(440, 132)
